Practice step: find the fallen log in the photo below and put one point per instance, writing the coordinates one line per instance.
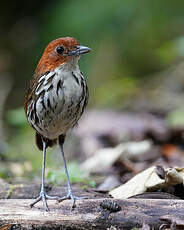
(92, 214)
(99, 211)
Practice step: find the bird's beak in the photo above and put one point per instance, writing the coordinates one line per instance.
(79, 50)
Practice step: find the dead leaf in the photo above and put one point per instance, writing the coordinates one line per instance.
(104, 158)
(5, 227)
(149, 179)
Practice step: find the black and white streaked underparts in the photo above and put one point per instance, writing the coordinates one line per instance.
(61, 97)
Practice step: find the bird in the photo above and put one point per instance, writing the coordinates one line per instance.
(56, 99)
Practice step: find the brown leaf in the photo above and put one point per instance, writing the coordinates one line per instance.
(5, 227)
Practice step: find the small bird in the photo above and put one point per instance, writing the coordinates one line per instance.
(55, 101)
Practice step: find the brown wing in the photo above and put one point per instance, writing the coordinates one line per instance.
(31, 96)
(32, 86)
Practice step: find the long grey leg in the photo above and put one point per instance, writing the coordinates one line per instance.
(66, 170)
(70, 193)
(43, 196)
(43, 167)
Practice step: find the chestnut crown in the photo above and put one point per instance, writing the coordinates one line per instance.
(58, 52)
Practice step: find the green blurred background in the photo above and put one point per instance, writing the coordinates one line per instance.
(137, 48)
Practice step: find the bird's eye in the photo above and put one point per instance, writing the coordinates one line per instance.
(60, 49)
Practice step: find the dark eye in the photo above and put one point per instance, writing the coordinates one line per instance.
(60, 49)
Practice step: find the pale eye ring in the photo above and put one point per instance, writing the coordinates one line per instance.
(60, 49)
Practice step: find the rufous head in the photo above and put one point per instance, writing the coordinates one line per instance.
(58, 52)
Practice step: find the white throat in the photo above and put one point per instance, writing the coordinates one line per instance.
(70, 65)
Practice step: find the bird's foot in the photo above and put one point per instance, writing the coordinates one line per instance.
(72, 197)
(44, 197)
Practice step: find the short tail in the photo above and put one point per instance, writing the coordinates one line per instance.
(39, 143)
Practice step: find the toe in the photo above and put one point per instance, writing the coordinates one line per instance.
(36, 201)
(73, 202)
(45, 204)
(63, 198)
